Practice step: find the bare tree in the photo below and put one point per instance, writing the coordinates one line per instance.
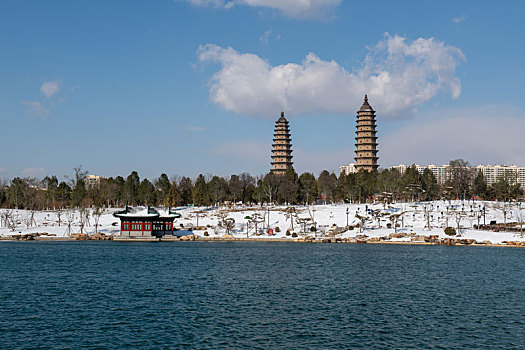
(394, 219)
(304, 222)
(227, 224)
(427, 211)
(291, 213)
(70, 218)
(255, 219)
(363, 219)
(59, 214)
(97, 213)
(459, 216)
(30, 219)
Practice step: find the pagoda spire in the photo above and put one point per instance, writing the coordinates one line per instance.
(366, 139)
(282, 148)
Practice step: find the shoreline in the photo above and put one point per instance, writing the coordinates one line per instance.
(326, 240)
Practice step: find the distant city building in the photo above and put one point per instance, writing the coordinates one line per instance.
(93, 180)
(491, 173)
(347, 169)
(282, 148)
(366, 139)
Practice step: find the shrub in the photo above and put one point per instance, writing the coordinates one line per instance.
(206, 234)
(450, 231)
(287, 232)
(294, 234)
(277, 229)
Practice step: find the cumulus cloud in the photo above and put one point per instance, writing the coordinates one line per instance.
(474, 134)
(292, 8)
(34, 172)
(397, 74)
(50, 88)
(35, 109)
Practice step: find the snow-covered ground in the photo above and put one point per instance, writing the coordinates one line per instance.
(411, 218)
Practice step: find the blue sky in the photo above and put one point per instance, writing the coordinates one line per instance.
(194, 86)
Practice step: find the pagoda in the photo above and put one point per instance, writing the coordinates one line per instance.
(282, 148)
(366, 139)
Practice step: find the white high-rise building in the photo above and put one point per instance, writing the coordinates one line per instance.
(347, 169)
(492, 173)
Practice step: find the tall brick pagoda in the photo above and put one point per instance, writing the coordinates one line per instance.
(282, 148)
(366, 139)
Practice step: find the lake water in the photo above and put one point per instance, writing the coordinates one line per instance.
(259, 295)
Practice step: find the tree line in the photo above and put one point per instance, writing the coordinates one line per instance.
(385, 185)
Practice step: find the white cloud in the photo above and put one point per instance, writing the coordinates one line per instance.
(292, 8)
(265, 37)
(34, 172)
(459, 19)
(487, 134)
(35, 108)
(268, 36)
(50, 88)
(398, 75)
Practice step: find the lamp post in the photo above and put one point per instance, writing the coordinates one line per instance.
(347, 211)
(247, 218)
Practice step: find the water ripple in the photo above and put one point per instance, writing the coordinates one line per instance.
(260, 295)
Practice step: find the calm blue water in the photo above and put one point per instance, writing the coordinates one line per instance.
(259, 295)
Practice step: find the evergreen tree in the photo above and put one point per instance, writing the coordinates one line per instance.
(479, 186)
(288, 186)
(327, 183)
(200, 192)
(412, 184)
(163, 186)
(63, 194)
(361, 180)
(308, 190)
(16, 192)
(78, 193)
(235, 188)
(186, 190)
(119, 181)
(51, 185)
(130, 188)
(429, 185)
(146, 193)
(174, 197)
(248, 195)
(217, 190)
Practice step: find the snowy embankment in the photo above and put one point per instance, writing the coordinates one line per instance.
(412, 221)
